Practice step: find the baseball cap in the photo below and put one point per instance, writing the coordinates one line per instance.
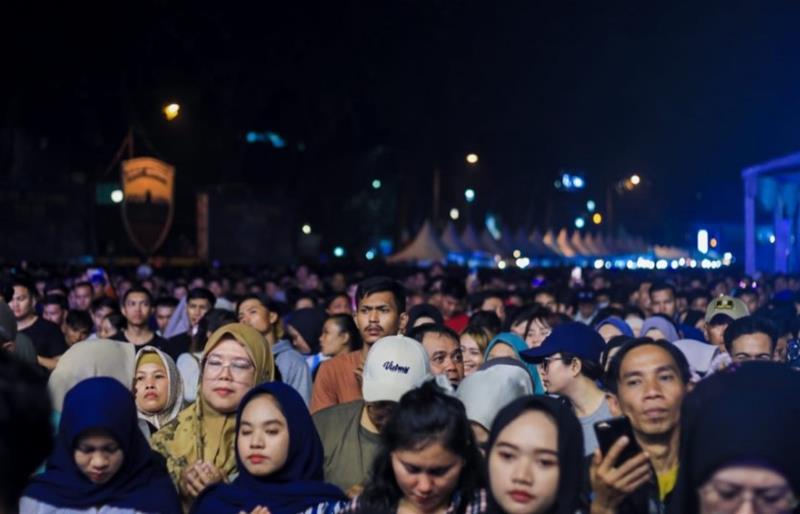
(394, 366)
(732, 307)
(573, 337)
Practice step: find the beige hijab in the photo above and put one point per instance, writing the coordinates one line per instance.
(174, 400)
(91, 358)
(202, 433)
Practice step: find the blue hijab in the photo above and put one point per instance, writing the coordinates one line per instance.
(519, 345)
(294, 488)
(142, 482)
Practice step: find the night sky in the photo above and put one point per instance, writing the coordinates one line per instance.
(686, 94)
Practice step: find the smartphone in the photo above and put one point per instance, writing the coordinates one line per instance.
(609, 430)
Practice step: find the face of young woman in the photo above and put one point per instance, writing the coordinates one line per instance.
(98, 456)
(152, 388)
(427, 476)
(263, 438)
(107, 330)
(471, 354)
(228, 374)
(523, 465)
(333, 341)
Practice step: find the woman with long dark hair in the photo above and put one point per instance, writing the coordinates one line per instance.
(534, 458)
(428, 461)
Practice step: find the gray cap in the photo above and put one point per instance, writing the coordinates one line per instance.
(485, 392)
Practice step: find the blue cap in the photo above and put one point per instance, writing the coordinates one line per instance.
(573, 337)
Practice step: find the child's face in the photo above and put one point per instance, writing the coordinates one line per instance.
(73, 336)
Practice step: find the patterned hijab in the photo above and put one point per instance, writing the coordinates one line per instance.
(202, 433)
(174, 399)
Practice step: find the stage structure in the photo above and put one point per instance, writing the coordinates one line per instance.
(771, 196)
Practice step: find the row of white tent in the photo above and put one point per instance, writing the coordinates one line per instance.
(429, 246)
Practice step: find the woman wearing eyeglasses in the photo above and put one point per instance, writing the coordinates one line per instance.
(199, 445)
(740, 450)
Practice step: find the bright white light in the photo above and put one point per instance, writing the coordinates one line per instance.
(517, 254)
(631, 265)
(338, 252)
(674, 264)
(469, 194)
(454, 214)
(306, 229)
(580, 222)
(117, 196)
(635, 180)
(578, 183)
(171, 111)
(682, 261)
(376, 184)
(662, 264)
(608, 264)
(692, 263)
(501, 265)
(523, 262)
(472, 158)
(599, 263)
(591, 206)
(370, 255)
(705, 264)
(772, 239)
(702, 241)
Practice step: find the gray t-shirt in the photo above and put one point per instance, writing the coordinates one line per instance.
(602, 413)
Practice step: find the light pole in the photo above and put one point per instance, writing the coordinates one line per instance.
(626, 184)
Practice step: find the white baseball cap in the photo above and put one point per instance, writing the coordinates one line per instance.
(395, 365)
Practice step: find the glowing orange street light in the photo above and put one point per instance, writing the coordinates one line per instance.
(171, 111)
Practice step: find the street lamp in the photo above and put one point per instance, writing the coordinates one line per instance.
(306, 229)
(472, 158)
(626, 184)
(454, 214)
(469, 195)
(635, 179)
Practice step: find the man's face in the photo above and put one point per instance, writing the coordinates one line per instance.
(643, 298)
(163, 314)
(82, 297)
(494, 304)
(22, 303)
(751, 301)
(54, 313)
(663, 302)
(253, 313)
(547, 301)
(650, 390)
(586, 308)
(196, 308)
(137, 309)
(445, 357)
(380, 412)
(377, 316)
(699, 304)
(752, 347)
(715, 334)
(450, 306)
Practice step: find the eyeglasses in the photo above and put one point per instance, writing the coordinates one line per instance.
(546, 362)
(240, 368)
(727, 497)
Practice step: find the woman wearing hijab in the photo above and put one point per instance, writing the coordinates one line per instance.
(279, 457)
(101, 462)
(509, 344)
(199, 444)
(659, 327)
(535, 458)
(157, 387)
(739, 444)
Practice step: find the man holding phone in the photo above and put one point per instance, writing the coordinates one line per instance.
(647, 381)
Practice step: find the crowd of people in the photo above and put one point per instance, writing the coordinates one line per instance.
(405, 391)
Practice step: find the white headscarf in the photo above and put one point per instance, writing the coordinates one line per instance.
(485, 392)
(174, 400)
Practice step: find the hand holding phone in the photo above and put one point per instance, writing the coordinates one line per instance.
(619, 466)
(610, 430)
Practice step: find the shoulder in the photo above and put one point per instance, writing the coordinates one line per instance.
(341, 410)
(345, 361)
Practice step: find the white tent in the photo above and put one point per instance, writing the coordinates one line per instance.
(576, 242)
(450, 239)
(424, 247)
(470, 239)
(564, 248)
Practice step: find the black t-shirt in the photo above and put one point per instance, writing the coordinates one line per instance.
(156, 341)
(47, 338)
(176, 345)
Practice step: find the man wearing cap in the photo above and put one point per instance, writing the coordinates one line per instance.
(722, 311)
(585, 306)
(350, 432)
(569, 360)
